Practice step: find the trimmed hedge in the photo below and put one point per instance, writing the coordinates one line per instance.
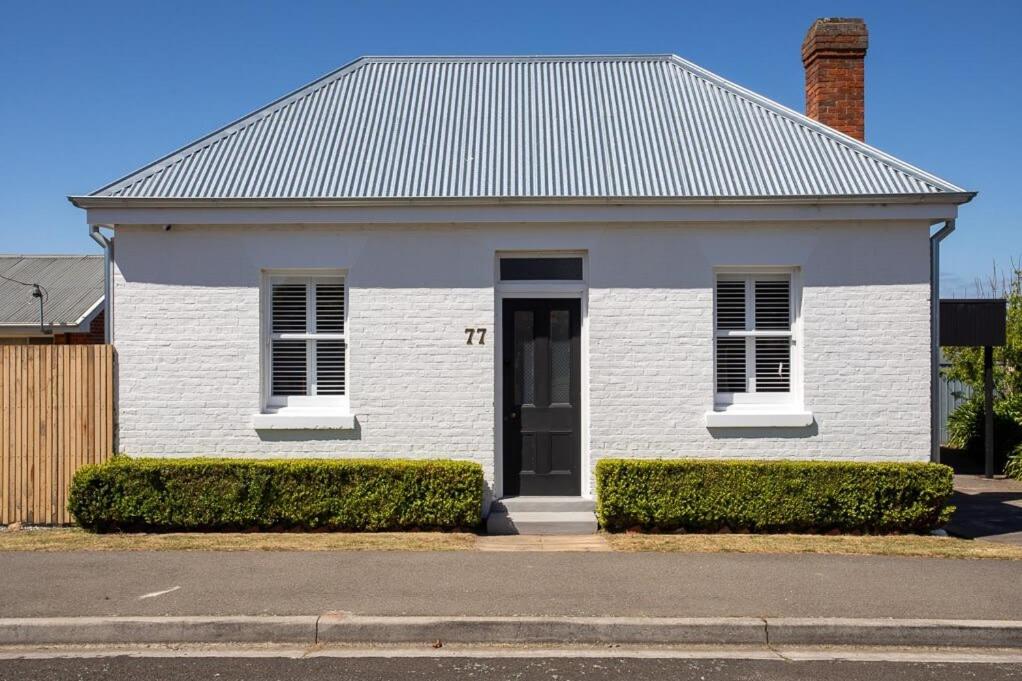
(771, 496)
(304, 494)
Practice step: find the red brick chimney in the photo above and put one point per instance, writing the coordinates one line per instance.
(834, 53)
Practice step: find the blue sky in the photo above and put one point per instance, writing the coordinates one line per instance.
(94, 90)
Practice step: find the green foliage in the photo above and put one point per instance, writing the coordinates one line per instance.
(966, 426)
(309, 494)
(771, 496)
(967, 363)
(1013, 469)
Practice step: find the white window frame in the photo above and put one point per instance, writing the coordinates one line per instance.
(779, 400)
(328, 404)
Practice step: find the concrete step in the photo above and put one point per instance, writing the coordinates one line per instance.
(543, 504)
(541, 522)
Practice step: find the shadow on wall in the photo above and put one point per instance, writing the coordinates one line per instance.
(434, 256)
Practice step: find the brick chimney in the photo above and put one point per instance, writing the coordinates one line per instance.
(834, 53)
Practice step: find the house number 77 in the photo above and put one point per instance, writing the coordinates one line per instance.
(472, 333)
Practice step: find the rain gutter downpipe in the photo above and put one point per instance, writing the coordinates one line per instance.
(935, 239)
(107, 244)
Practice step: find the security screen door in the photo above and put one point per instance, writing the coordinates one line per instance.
(542, 389)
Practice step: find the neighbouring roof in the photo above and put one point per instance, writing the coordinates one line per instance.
(652, 126)
(73, 285)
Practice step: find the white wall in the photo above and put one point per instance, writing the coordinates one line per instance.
(187, 336)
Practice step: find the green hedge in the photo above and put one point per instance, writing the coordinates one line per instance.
(771, 496)
(307, 494)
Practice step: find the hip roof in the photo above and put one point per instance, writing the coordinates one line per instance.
(580, 127)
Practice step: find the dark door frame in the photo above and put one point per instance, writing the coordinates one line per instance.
(558, 290)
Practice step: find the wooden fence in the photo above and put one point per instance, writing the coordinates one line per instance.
(57, 411)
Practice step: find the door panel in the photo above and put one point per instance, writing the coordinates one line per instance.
(542, 397)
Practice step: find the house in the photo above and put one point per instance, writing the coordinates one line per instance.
(533, 263)
(68, 309)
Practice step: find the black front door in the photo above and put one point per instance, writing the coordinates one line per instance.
(542, 397)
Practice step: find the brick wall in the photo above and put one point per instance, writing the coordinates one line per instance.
(187, 336)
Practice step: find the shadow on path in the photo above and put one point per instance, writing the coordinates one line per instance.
(987, 509)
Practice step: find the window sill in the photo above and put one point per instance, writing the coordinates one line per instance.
(763, 417)
(298, 420)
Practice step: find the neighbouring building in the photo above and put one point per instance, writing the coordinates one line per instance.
(68, 309)
(533, 263)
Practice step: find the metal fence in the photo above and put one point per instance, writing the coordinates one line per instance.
(952, 393)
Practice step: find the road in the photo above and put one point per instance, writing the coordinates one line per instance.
(456, 583)
(543, 669)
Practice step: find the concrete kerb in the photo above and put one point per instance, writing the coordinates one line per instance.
(341, 628)
(894, 632)
(99, 630)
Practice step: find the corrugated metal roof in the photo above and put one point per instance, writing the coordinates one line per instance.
(73, 285)
(528, 127)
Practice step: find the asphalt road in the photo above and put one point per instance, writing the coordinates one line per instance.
(556, 669)
(583, 584)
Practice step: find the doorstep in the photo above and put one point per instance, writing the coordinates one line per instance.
(542, 516)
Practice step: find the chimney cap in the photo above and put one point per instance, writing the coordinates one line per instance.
(833, 36)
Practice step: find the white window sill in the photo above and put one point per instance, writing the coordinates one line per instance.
(303, 420)
(763, 417)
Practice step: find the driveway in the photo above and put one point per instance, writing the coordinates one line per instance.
(987, 509)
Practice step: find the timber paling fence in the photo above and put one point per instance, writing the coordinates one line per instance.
(56, 415)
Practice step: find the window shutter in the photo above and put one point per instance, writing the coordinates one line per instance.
(330, 353)
(289, 308)
(773, 304)
(731, 365)
(330, 308)
(330, 367)
(730, 304)
(773, 365)
(289, 364)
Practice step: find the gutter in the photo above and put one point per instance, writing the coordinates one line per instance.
(935, 239)
(107, 244)
(957, 198)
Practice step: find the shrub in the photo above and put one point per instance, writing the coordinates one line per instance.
(1013, 469)
(771, 496)
(310, 494)
(966, 426)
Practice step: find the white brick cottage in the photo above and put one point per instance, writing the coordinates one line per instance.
(532, 263)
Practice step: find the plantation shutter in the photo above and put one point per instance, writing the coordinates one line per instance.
(289, 373)
(773, 353)
(731, 361)
(330, 353)
(307, 344)
(753, 338)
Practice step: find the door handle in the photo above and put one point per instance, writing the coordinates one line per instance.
(513, 415)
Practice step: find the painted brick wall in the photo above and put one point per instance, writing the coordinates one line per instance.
(187, 334)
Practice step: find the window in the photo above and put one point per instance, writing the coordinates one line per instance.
(541, 269)
(754, 315)
(306, 345)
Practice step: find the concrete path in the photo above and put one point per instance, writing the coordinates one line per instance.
(514, 583)
(987, 509)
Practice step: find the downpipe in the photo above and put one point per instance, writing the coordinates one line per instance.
(935, 239)
(107, 244)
